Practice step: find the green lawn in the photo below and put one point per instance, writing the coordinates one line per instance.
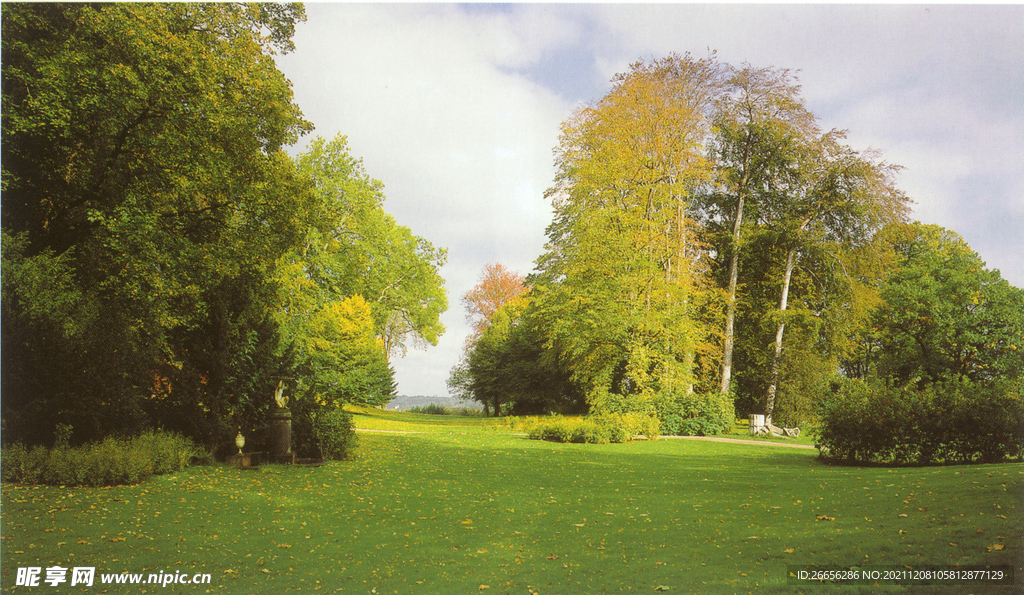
(473, 508)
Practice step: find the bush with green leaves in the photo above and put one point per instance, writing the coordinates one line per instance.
(954, 421)
(431, 409)
(571, 429)
(112, 461)
(695, 414)
(336, 434)
(605, 428)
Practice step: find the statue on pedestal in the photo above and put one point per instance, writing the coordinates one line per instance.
(282, 401)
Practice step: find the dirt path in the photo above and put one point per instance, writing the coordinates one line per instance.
(739, 441)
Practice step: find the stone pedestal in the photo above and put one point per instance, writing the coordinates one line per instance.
(281, 436)
(246, 460)
(757, 425)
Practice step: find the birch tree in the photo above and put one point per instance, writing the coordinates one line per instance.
(759, 117)
(833, 200)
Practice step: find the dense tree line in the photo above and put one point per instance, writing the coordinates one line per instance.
(165, 262)
(715, 252)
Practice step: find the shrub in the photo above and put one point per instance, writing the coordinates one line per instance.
(336, 434)
(605, 428)
(695, 414)
(466, 412)
(956, 421)
(431, 409)
(112, 461)
(21, 464)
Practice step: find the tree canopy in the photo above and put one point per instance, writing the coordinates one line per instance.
(713, 247)
(943, 315)
(165, 262)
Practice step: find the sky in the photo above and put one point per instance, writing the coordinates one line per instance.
(456, 108)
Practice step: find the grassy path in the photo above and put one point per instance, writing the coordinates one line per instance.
(471, 508)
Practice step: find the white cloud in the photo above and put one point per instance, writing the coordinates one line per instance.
(429, 98)
(456, 108)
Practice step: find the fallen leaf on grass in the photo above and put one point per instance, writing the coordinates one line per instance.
(997, 546)
(824, 517)
(482, 587)
(789, 550)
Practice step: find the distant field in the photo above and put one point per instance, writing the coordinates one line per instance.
(405, 403)
(465, 506)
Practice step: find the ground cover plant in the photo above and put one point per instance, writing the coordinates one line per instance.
(111, 461)
(474, 508)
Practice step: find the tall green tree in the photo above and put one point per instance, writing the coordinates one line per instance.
(944, 315)
(354, 247)
(142, 163)
(833, 202)
(789, 190)
(510, 366)
(623, 267)
(759, 116)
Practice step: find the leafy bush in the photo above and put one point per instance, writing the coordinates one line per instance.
(695, 414)
(956, 421)
(431, 409)
(466, 412)
(335, 434)
(112, 461)
(572, 429)
(596, 429)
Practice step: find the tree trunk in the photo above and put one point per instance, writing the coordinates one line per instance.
(783, 302)
(682, 273)
(730, 312)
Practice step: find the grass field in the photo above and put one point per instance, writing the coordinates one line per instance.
(463, 505)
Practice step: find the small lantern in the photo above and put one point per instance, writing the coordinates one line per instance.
(239, 441)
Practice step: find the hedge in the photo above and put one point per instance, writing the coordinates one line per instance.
(336, 434)
(951, 422)
(597, 429)
(112, 461)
